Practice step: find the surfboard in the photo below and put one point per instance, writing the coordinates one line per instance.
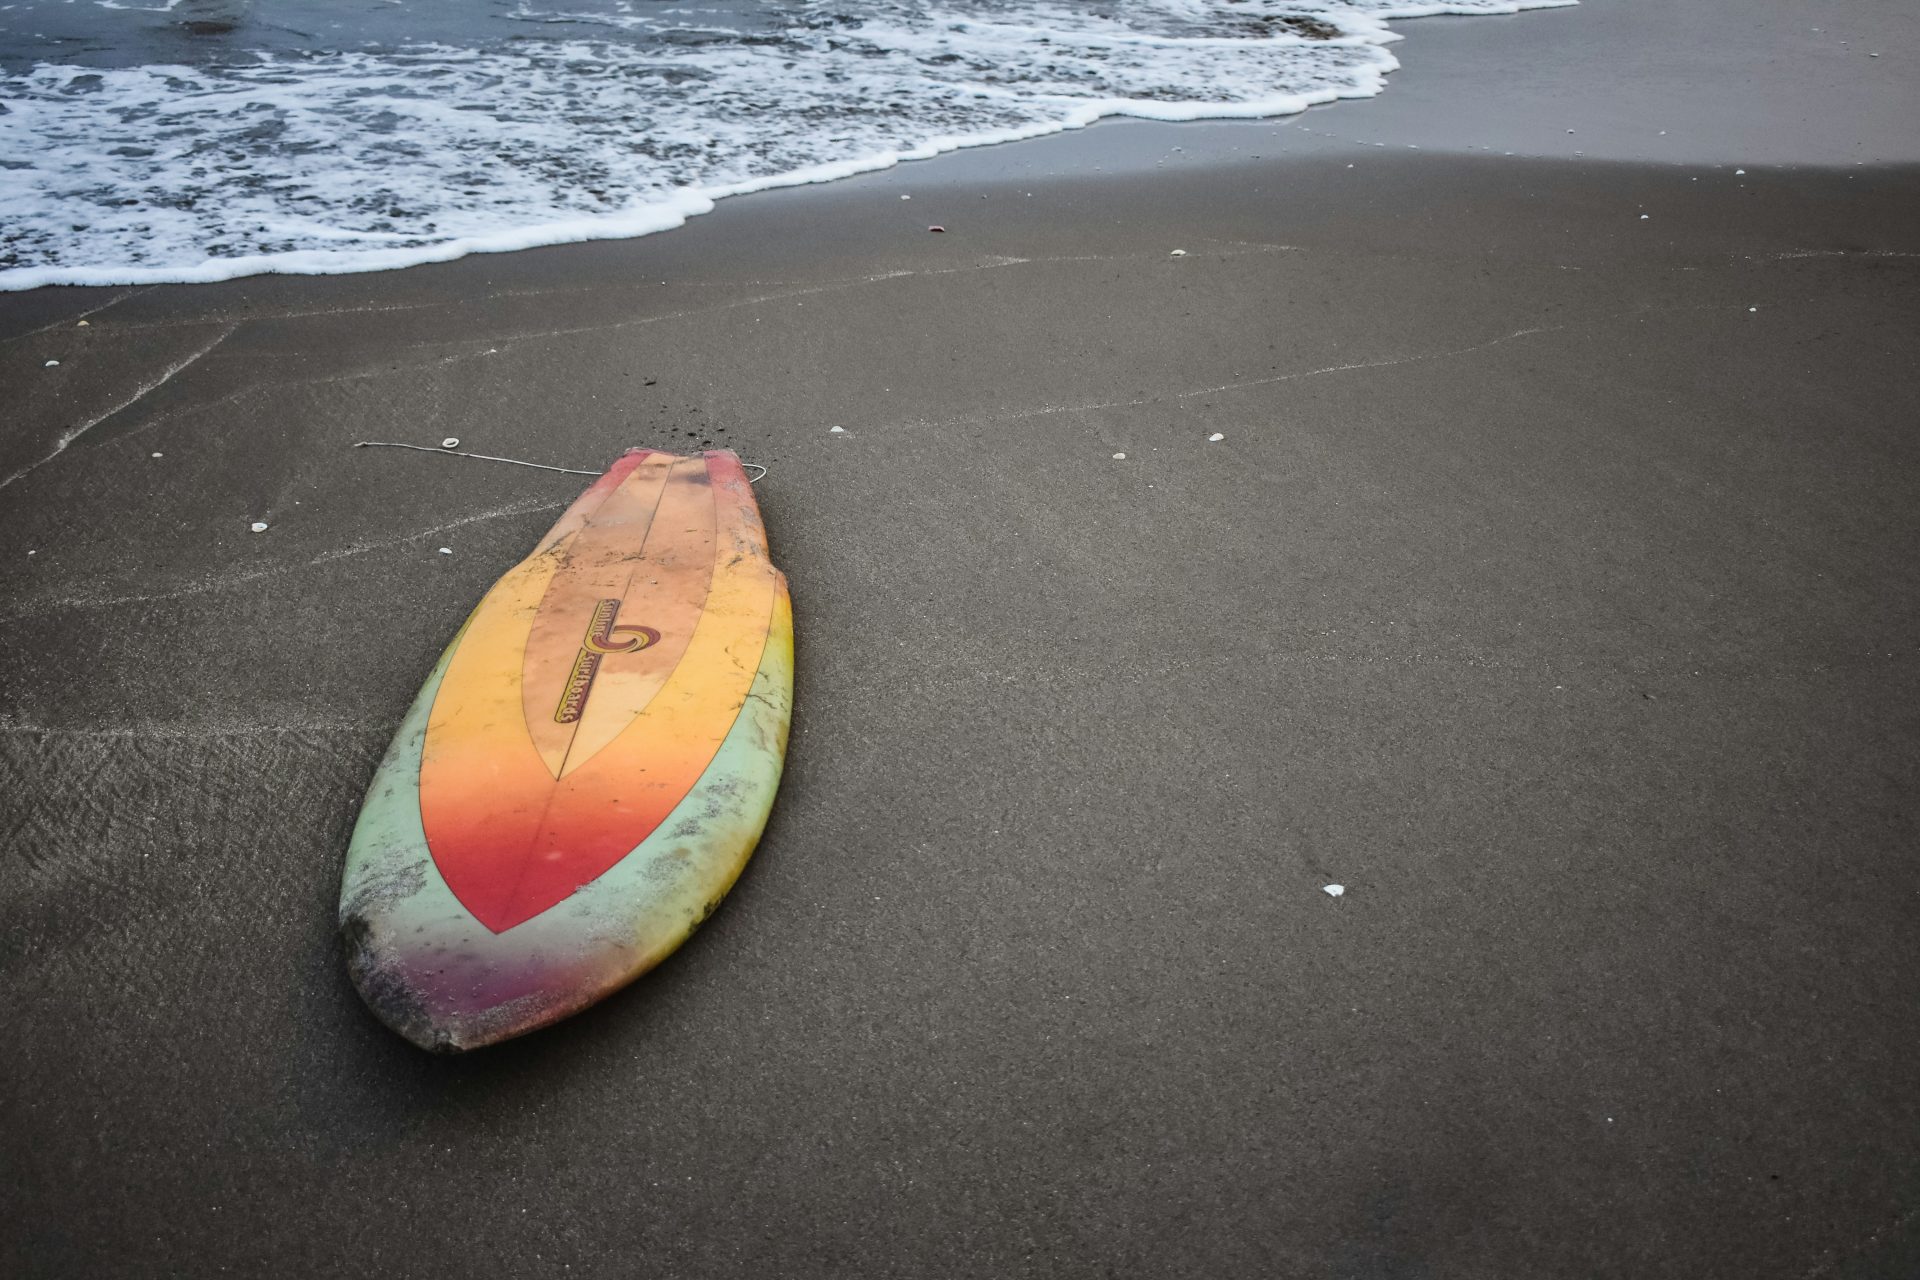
(588, 767)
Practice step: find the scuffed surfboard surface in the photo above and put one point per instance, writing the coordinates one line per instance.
(587, 769)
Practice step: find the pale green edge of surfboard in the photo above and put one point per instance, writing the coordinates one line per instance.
(437, 976)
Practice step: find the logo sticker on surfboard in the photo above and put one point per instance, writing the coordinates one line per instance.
(603, 637)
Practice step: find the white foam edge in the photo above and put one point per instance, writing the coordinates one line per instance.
(674, 211)
(650, 219)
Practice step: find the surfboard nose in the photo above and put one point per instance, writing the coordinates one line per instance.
(446, 1002)
(392, 998)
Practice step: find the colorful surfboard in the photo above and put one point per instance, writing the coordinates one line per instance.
(588, 768)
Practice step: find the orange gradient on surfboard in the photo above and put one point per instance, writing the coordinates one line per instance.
(595, 683)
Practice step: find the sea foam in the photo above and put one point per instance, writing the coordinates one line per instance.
(602, 119)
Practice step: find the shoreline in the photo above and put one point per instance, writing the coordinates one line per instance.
(673, 211)
(1847, 106)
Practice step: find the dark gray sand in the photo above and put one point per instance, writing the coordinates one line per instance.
(1553, 589)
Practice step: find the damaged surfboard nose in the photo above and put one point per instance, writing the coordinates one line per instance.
(588, 767)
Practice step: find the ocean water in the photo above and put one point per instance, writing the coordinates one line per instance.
(181, 140)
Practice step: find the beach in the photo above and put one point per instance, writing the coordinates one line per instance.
(1523, 543)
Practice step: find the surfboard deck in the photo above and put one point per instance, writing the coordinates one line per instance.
(588, 767)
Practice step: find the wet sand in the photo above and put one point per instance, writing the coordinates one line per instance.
(1552, 588)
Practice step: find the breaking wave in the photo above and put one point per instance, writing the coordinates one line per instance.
(268, 147)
